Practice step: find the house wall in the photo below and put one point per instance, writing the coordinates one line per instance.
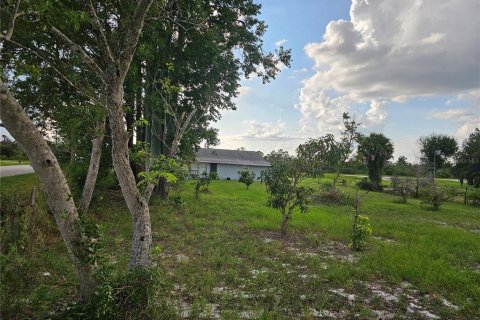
(226, 170)
(199, 168)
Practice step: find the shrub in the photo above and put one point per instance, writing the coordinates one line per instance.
(177, 203)
(361, 231)
(284, 193)
(444, 173)
(402, 188)
(108, 181)
(203, 182)
(24, 225)
(165, 172)
(366, 184)
(76, 173)
(361, 226)
(329, 194)
(132, 294)
(389, 171)
(474, 196)
(434, 196)
(246, 177)
(213, 176)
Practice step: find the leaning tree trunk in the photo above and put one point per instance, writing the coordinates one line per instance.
(142, 234)
(54, 183)
(93, 167)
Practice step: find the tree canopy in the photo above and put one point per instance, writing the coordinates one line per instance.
(376, 150)
(282, 181)
(438, 147)
(467, 161)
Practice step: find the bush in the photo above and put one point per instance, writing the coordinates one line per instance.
(76, 174)
(204, 181)
(213, 176)
(12, 151)
(434, 196)
(361, 231)
(402, 188)
(133, 294)
(389, 171)
(366, 184)
(474, 196)
(108, 181)
(329, 194)
(444, 173)
(246, 177)
(177, 203)
(24, 226)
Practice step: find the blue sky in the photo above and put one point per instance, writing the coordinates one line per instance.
(402, 67)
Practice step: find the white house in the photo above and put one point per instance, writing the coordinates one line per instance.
(227, 163)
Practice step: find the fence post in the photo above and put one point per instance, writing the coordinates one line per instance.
(466, 189)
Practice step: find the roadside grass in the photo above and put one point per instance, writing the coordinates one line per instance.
(18, 184)
(12, 162)
(36, 275)
(223, 258)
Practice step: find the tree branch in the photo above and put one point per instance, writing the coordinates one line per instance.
(11, 25)
(102, 41)
(73, 85)
(76, 48)
(147, 194)
(132, 36)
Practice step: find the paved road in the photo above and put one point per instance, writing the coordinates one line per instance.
(388, 178)
(362, 176)
(7, 171)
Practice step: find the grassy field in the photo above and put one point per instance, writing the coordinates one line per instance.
(221, 257)
(12, 162)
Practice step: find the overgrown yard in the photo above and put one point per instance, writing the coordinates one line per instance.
(222, 257)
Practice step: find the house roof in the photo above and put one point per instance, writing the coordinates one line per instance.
(246, 158)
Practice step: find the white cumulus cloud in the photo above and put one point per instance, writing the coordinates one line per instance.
(266, 131)
(281, 42)
(244, 90)
(392, 51)
(468, 118)
(264, 136)
(376, 115)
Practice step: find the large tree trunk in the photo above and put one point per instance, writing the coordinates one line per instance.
(142, 235)
(93, 167)
(54, 183)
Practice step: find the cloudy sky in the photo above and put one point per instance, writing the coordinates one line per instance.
(404, 68)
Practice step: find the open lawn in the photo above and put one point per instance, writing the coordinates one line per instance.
(221, 257)
(12, 162)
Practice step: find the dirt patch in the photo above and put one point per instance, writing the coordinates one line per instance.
(339, 314)
(404, 293)
(232, 292)
(341, 292)
(383, 300)
(256, 272)
(178, 257)
(384, 239)
(304, 248)
(337, 250)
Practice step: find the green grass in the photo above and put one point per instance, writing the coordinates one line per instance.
(222, 255)
(12, 162)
